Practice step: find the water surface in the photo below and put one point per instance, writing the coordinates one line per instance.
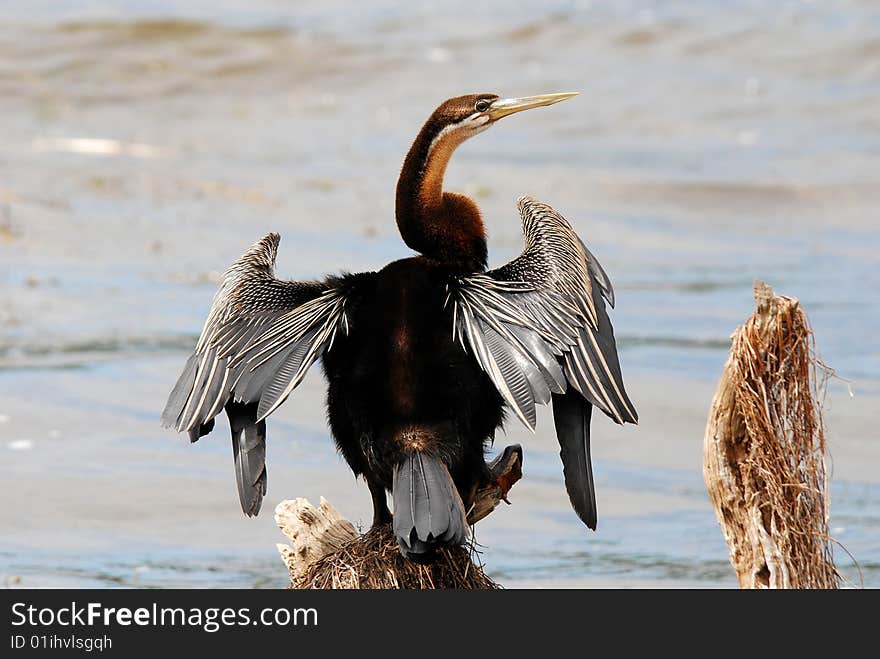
(147, 143)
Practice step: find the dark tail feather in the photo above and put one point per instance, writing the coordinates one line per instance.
(427, 508)
(249, 452)
(571, 414)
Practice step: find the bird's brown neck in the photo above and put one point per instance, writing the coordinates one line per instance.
(444, 226)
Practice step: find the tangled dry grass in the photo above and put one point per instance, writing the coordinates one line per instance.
(765, 451)
(374, 561)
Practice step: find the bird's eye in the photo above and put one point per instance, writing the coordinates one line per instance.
(481, 106)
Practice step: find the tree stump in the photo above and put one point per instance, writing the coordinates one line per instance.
(764, 451)
(327, 552)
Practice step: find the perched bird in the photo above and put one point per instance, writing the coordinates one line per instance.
(424, 357)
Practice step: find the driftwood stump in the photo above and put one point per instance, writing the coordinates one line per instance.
(764, 451)
(326, 551)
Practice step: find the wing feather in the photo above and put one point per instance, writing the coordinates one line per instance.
(261, 336)
(543, 314)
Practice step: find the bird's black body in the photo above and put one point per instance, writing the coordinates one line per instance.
(398, 381)
(424, 357)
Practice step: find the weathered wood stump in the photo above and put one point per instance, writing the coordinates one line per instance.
(764, 451)
(326, 551)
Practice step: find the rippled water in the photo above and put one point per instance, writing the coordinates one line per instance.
(146, 144)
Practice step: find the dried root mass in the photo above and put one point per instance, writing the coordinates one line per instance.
(374, 561)
(326, 552)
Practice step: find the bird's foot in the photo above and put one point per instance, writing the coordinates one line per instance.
(505, 470)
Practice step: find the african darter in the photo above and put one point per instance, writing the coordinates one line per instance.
(424, 357)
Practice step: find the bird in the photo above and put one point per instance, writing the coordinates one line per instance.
(424, 359)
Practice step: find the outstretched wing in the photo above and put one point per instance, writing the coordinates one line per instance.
(260, 338)
(539, 323)
(538, 327)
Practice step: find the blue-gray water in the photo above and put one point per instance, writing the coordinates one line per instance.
(146, 144)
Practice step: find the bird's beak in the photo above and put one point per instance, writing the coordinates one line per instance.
(505, 106)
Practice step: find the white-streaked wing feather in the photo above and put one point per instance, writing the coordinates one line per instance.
(260, 338)
(538, 324)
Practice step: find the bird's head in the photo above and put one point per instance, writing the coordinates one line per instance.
(461, 117)
(447, 226)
